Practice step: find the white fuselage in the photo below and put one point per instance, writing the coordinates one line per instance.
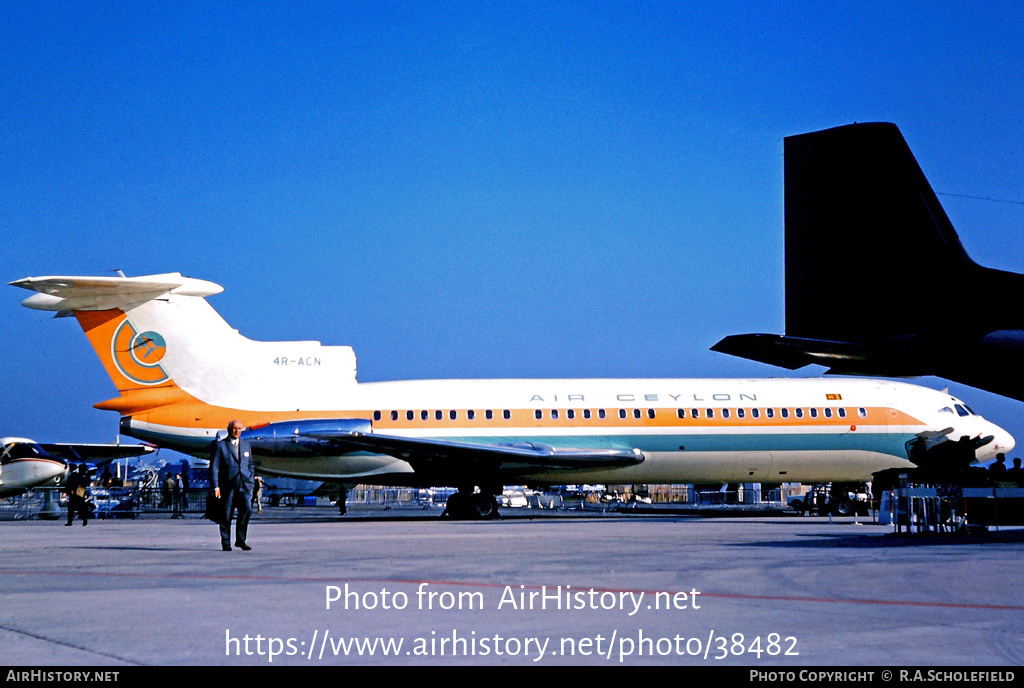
(689, 430)
(25, 465)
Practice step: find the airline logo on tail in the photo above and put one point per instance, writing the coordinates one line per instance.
(137, 356)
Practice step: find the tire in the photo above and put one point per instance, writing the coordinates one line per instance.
(483, 506)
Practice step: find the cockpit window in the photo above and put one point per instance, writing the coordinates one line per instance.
(21, 450)
(945, 409)
(961, 411)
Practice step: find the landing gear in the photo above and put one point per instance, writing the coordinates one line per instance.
(342, 498)
(467, 505)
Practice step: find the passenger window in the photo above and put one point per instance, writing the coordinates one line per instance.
(784, 413)
(424, 415)
(471, 414)
(842, 413)
(376, 415)
(862, 412)
(828, 413)
(799, 413)
(554, 414)
(710, 413)
(770, 412)
(755, 413)
(651, 413)
(725, 413)
(636, 413)
(570, 414)
(409, 415)
(438, 415)
(586, 414)
(394, 415)
(506, 414)
(452, 415)
(489, 414)
(538, 414)
(622, 413)
(680, 413)
(694, 413)
(814, 413)
(739, 413)
(601, 414)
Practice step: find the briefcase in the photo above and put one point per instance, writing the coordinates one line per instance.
(214, 509)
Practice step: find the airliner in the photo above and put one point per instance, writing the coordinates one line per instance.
(183, 374)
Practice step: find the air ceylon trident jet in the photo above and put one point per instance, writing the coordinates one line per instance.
(183, 373)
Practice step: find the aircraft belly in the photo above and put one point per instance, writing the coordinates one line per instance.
(808, 466)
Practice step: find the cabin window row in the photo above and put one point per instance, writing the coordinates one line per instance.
(769, 412)
(489, 414)
(601, 414)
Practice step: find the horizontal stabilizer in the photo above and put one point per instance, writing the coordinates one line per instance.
(68, 294)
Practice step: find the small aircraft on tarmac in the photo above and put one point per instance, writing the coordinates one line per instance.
(25, 464)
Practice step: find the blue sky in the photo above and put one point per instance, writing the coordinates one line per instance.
(464, 190)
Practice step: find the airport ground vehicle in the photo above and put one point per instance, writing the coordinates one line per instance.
(836, 499)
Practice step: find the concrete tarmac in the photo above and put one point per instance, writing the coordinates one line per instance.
(387, 588)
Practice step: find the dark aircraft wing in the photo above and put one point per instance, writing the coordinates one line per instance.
(845, 358)
(98, 454)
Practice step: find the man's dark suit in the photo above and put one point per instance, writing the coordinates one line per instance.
(233, 472)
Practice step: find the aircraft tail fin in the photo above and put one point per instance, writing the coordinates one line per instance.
(868, 244)
(162, 343)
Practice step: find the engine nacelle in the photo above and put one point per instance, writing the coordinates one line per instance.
(304, 437)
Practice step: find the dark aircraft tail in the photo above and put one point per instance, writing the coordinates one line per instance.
(877, 282)
(869, 250)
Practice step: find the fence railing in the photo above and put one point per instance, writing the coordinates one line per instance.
(131, 502)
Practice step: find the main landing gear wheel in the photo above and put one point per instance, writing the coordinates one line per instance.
(475, 507)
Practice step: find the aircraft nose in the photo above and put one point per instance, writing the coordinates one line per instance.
(56, 470)
(1002, 443)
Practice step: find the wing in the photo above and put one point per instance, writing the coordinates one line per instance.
(888, 359)
(434, 459)
(505, 457)
(98, 454)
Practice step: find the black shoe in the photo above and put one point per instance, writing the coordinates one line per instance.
(242, 546)
(226, 548)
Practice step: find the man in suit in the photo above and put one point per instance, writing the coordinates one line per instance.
(232, 474)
